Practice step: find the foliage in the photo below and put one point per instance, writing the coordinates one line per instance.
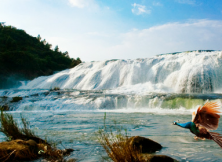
(114, 141)
(29, 56)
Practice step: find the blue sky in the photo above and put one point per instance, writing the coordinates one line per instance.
(119, 29)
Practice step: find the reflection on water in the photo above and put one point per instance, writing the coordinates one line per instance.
(76, 129)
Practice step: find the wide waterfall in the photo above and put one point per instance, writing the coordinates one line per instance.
(171, 81)
(186, 72)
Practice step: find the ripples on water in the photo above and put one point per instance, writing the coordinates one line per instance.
(76, 129)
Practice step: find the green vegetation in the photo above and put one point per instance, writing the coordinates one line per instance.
(27, 57)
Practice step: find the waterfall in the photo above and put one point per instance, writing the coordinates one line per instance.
(186, 72)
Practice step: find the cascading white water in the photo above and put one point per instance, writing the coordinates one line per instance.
(187, 72)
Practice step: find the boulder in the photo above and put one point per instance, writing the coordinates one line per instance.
(18, 150)
(16, 99)
(159, 158)
(143, 145)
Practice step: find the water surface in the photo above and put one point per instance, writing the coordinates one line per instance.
(76, 129)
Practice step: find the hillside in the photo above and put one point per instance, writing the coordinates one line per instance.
(25, 57)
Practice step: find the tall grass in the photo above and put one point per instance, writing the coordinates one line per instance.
(10, 128)
(115, 142)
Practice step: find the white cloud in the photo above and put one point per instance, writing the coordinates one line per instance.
(140, 9)
(190, 2)
(145, 43)
(81, 3)
(172, 37)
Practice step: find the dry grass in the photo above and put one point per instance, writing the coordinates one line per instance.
(10, 128)
(114, 141)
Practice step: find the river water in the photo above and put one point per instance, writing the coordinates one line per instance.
(71, 118)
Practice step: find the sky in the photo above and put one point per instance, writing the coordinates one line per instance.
(96, 30)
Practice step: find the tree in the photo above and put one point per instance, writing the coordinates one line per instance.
(44, 41)
(39, 38)
(2, 24)
(66, 54)
(56, 49)
(48, 45)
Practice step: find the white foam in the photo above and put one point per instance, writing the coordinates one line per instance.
(161, 111)
(183, 72)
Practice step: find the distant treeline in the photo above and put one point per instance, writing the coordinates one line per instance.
(26, 57)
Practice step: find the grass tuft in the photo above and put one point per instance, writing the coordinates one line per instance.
(115, 142)
(10, 128)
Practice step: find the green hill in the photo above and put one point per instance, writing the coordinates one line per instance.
(25, 57)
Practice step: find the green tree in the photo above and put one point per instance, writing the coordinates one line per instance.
(39, 38)
(56, 49)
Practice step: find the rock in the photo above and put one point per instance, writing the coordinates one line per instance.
(139, 149)
(159, 158)
(71, 160)
(143, 145)
(16, 99)
(18, 150)
(66, 152)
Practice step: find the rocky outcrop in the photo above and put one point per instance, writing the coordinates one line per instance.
(20, 150)
(146, 147)
(159, 158)
(16, 99)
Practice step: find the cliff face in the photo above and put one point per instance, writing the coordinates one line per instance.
(25, 57)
